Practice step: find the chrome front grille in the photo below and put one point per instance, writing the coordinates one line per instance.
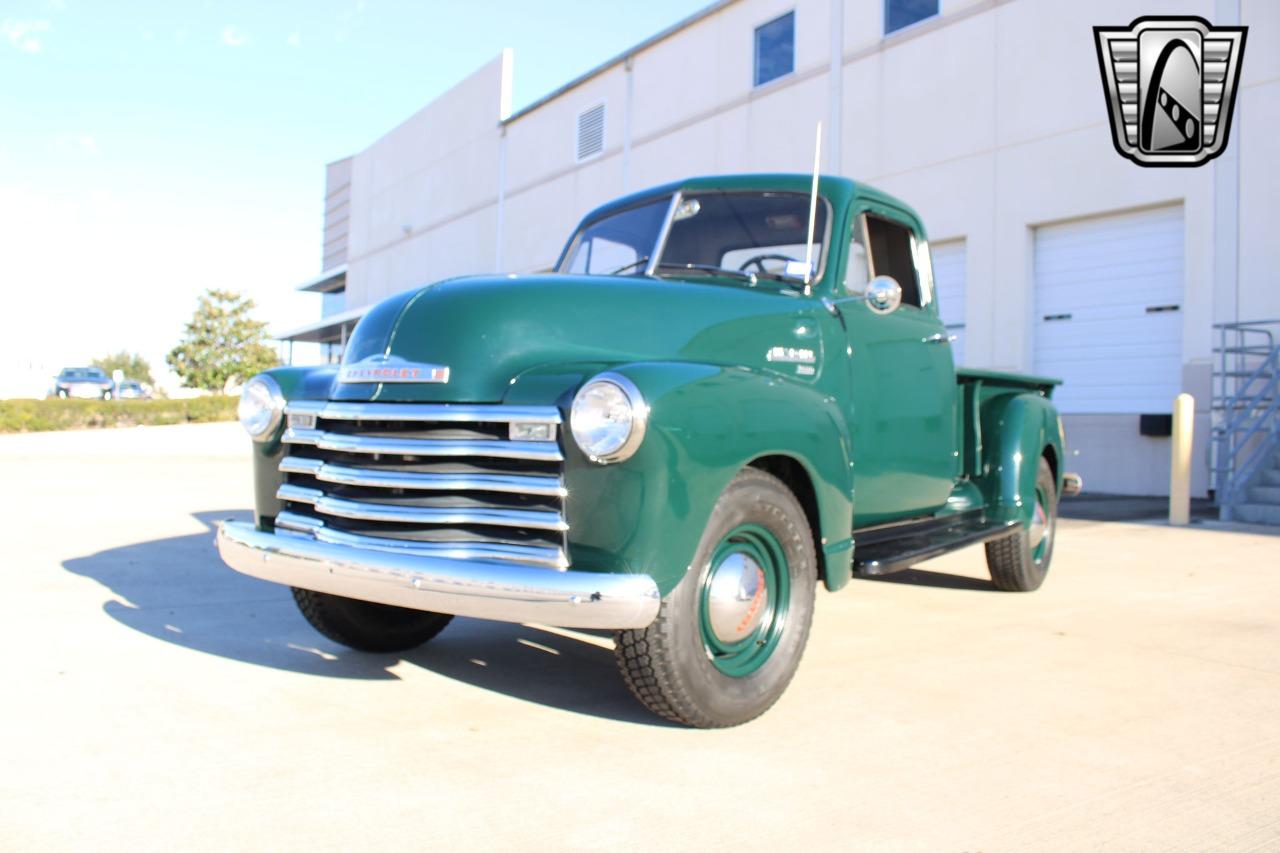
(438, 479)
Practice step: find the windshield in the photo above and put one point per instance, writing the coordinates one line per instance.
(82, 373)
(621, 242)
(735, 233)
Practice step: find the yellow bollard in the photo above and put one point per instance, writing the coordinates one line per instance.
(1184, 412)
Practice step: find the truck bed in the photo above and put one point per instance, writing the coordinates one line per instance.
(1001, 379)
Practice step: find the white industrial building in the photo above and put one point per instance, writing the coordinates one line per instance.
(1053, 254)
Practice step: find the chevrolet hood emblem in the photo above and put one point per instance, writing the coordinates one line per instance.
(390, 368)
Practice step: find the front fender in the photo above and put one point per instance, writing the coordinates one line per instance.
(706, 423)
(1016, 431)
(296, 383)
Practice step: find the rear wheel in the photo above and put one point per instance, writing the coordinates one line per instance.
(1019, 563)
(729, 637)
(365, 626)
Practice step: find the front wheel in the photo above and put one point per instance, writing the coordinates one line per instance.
(729, 637)
(365, 626)
(1019, 563)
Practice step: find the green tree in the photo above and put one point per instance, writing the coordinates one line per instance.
(133, 365)
(222, 342)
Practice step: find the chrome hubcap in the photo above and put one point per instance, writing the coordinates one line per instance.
(736, 598)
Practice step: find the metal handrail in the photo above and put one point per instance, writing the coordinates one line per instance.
(1245, 407)
(1239, 432)
(1241, 350)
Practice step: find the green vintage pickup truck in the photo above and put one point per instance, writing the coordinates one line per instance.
(729, 390)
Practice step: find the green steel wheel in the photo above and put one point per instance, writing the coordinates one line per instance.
(1019, 563)
(743, 600)
(729, 637)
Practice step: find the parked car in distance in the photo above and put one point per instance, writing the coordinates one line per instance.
(131, 389)
(732, 390)
(91, 383)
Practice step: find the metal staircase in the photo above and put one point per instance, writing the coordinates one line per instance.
(1244, 446)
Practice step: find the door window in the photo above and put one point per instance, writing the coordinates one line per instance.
(856, 272)
(893, 254)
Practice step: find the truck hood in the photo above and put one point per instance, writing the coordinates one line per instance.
(489, 330)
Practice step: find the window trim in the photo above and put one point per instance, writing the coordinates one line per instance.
(920, 249)
(884, 20)
(673, 203)
(603, 104)
(756, 83)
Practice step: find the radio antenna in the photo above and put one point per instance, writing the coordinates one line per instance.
(813, 208)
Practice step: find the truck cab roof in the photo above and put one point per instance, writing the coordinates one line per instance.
(838, 190)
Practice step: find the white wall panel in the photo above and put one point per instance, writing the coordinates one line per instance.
(949, 279)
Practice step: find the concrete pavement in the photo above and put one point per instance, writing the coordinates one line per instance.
(155, 699)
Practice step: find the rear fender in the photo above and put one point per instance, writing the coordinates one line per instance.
(1017, 429)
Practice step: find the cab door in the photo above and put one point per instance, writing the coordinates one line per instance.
(903, 405)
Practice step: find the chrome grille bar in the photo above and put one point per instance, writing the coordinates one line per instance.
(444, 480)
(493, 448)
(441, 412)
(520, 484)
(366, 511)
(552, 558)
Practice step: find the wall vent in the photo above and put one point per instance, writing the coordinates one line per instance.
(591, 132)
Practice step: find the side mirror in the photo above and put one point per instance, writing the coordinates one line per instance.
(884, 294)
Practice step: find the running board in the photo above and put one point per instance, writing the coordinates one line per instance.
(880, 551)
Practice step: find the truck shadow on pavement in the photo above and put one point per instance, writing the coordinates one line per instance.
(924, 577)
(179, 591)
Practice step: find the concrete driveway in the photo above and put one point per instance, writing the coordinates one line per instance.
(153, 699)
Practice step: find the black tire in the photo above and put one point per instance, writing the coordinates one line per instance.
(1015, 562)
(668, 665)
(365, 626)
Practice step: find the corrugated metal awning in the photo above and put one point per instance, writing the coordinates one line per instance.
(329, 281)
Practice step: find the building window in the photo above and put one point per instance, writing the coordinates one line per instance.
(904, 13)
(775, 49)
(591, 132)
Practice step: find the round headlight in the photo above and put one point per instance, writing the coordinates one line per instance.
(608, 418)
(261, 405)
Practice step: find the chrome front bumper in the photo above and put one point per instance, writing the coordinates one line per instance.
(506, 592)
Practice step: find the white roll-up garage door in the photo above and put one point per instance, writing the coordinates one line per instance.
(949, 281)
(1108, 311)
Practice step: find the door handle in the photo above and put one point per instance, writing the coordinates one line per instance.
(938, 338)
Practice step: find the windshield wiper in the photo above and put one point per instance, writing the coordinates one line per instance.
(790, 281)
(630, 266)
(742, 275)
(711, 269)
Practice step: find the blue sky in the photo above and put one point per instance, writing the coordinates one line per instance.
(149, 150)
